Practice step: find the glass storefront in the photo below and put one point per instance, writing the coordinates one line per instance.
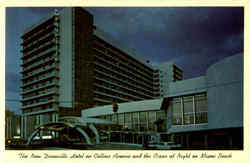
(138, 121)
(189, 109)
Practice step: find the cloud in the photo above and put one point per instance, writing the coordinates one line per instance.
(13, 82)
(195, 37)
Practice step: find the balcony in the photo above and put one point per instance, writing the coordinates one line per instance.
(124, 76)
(40, 64)
(39, 49)
(48, 29)
(108, 95)
(122, 81)
(40, 96)
(120, 92)
(102, 100)
(32, 59)
(38, 42)
(39, 88)
(124, 87)
(127, 72)
(122, 62)
(40, 71)
(39, 104)
(46, 77)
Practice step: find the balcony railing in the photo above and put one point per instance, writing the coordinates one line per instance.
(123, 81)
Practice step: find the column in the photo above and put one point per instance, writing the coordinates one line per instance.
(25, 127)
(154, 121)
(41, 122)
(206, 141)
(182, 111)
(187, 140)
(194, 109)
(10, 128)
(230, 141)
(21, 126)
(7, 127)
(147, 120)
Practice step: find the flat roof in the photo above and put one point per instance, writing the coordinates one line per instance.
(145, 105)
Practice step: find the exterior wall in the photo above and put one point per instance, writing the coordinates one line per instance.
(168, 72)
(225, 93)
(120, 75)
(146, 105)
(40, 73)
(107, 38)
(82, 72)
(224, 89)
(185, 87)
(135, 116)
(65, 73)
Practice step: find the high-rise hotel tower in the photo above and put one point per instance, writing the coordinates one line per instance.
(68, 64)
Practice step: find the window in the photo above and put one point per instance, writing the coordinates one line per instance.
(193, 111)
(188, 110)
(177, 111)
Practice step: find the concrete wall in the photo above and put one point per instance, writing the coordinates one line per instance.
(185, 87)
(146, 105)
(83, 58)
(65, 71)
(225, 93)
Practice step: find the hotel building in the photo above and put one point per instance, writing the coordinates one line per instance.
(205, 112)
(68, 64)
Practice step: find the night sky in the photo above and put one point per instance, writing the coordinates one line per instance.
(193, 37)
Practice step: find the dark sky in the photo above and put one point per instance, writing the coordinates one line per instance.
(193, 37)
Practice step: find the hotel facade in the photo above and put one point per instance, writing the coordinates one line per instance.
(199, 113)
(69, 64)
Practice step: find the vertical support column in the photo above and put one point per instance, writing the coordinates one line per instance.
(206, 141)
(230, 141)
(155, 120)
(187, 140)
(10, 127)
(194, 109)
(138, 121)
(147, 120)
(7, 127)
(182, 111)
(41, 122)
(22, 126)
(25, 127)
(172, 138)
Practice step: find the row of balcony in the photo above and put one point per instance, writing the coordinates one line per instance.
(54, 74)
(145, 96)
(123, 76)
(39, 49)
(38, 88)
(123, 60)
(42, 70)
(125, 71)
(39, 42)
(136, 87)
(34, 58)
(40, 103)
(37, 36)
(109, 95)
(39, 64)
(123, 56)
(41, 95)
(127, 68)
(102, 100)
(120, 92)
(38, 28)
